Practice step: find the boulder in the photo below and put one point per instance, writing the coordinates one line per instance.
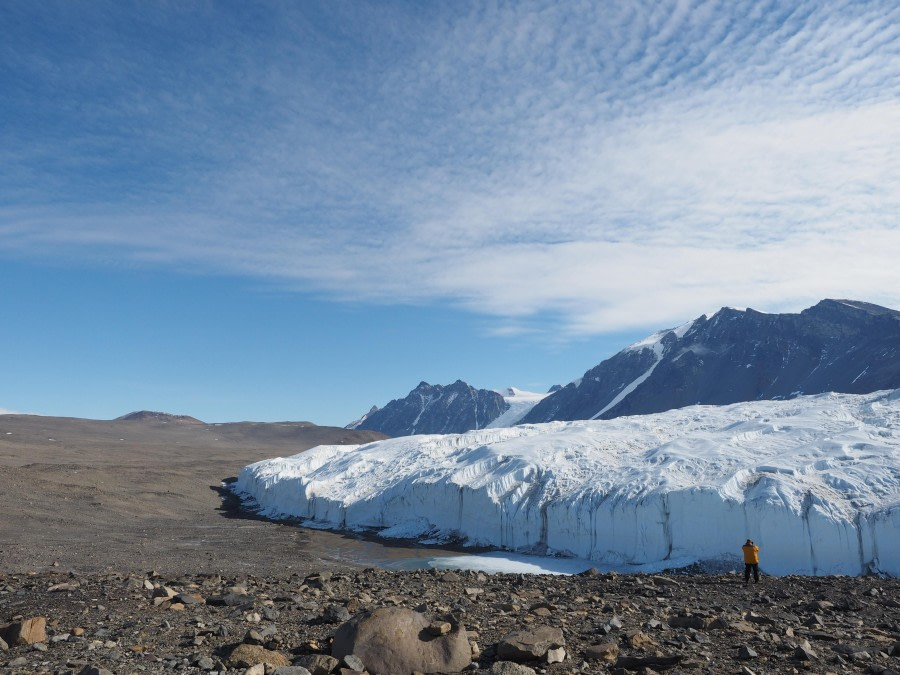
(27, 632)
(247, 656)
(530, 644)
(396, 640)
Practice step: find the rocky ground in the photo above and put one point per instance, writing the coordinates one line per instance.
(156, 623)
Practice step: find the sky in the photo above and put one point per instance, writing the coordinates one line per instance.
(294, 211)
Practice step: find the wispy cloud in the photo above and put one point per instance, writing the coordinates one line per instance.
(581, 166)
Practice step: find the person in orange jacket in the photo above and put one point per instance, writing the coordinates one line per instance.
(751, 561)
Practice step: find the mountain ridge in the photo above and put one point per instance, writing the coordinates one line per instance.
(739, 355)
(723, 357)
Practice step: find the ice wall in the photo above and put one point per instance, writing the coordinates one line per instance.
(815, 482)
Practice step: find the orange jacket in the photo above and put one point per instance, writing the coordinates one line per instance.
(751, 554)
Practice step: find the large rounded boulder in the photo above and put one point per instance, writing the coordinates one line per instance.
(400, 641)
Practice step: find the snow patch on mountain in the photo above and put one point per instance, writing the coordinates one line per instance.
(520, 404)
(815, 481)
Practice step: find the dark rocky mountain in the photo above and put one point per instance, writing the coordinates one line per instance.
(734, 355)
(435, 409)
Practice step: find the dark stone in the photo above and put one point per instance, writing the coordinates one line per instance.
(335, 614)
(746, 652)
(231, 600)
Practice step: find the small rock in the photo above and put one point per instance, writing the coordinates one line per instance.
(638, 640)
(253, 637)
(164, 592)
(606, 652)
(556, 655)
(804, 652)
(190, 599)
(17, 662)
(745, 653)
(317, 664)
(246, 656)
(94, 670)
(353, 662)
(696, 622)
(664, 581)
(530, 644)
(291, 670)
(438, 628)
(335, 614)
(56, 588)
(510, 668)
(205, 663)
(230, 600)
(659, 662)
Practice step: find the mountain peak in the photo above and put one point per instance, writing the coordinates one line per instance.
(436, 409)
(847, 306)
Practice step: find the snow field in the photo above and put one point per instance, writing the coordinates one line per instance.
(814, 481)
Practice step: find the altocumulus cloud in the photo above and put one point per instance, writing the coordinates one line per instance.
(598, 165)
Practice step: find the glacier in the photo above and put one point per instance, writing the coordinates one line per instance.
(814, 481)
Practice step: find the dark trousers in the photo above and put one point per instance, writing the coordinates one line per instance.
(754, 567)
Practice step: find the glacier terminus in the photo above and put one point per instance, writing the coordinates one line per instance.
(814, 481)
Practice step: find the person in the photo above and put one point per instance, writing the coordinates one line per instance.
(751, 561)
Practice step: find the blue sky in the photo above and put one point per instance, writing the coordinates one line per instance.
(280, 210)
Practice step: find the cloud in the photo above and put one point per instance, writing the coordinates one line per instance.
(554, 166)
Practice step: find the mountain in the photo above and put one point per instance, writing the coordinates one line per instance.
(815, 481)
(153, 416)
(435, 409)
(739, 355)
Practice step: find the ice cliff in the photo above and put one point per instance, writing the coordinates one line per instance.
(815, 481)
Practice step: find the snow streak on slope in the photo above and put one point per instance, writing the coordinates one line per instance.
(815, 481)
(657, 348)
